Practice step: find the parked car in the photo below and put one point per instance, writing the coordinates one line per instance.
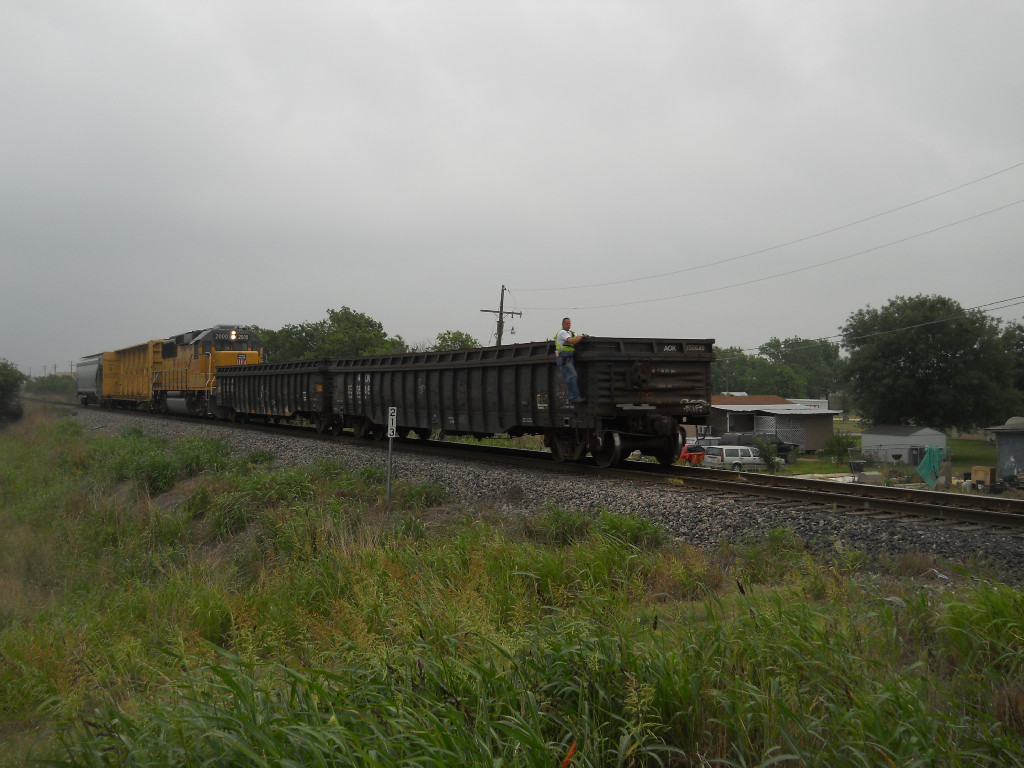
(705, 440)
(786, 451)
(734, 457)
(693, 454)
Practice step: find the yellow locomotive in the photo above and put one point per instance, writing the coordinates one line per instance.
(177, 374)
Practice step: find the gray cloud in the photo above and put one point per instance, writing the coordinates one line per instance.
(164, 167)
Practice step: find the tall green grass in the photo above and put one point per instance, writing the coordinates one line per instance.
(255, 614)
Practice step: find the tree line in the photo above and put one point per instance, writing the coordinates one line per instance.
(921, 360)
(347, 333)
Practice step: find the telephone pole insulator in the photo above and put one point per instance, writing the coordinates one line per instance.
(500, 312)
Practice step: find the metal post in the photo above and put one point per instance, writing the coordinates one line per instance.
(392, 419)
(501, 314)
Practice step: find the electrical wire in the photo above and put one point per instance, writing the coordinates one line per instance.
(787, 273)
(780, 245)
(1013, 301)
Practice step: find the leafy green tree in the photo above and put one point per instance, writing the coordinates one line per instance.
(349, 333)
(731, 370)
(927, 361)
(450, 340)
(11, 380)
(56, 386)
(838, 445)
(1013, 343)
(736, 371)
(816, 361)
(343, 333)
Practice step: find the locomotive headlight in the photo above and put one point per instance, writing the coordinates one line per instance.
(232, 335)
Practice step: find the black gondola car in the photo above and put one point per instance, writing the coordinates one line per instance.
(638, 394)
(276, 391)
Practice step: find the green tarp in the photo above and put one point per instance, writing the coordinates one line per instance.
(928, 469)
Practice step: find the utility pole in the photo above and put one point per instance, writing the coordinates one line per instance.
(500, 312)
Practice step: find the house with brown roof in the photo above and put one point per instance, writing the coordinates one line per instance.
(807, 423)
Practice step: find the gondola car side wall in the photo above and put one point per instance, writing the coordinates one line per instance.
(275, 391)
(630, 384)
(491, 390)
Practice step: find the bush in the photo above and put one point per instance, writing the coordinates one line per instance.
(838, 446)
(11, 380)
(63, 387)
(769, 454)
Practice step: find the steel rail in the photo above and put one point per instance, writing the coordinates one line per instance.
(960, 507)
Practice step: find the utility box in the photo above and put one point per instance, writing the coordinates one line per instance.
(983, 476)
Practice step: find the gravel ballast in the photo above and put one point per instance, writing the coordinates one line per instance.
(700, 518)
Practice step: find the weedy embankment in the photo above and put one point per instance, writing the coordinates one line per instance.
(173, 603)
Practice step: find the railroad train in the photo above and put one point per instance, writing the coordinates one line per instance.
(639, 392)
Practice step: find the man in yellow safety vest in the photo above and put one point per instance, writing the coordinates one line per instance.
(565, 349)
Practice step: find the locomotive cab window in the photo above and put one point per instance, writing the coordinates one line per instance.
(230, 342)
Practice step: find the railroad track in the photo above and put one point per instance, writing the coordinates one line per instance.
(996, 511)
(1002, 514)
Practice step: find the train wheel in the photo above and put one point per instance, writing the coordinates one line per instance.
(556, 453)
(610, 452)
(669, 453)
(378, 431)
(422, 434)
(403, 433)
(323, 424)
(564, 447)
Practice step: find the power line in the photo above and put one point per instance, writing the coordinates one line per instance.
(780, 245)
(790, 272)
(1016, 301)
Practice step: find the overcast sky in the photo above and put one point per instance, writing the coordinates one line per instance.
(168, 166)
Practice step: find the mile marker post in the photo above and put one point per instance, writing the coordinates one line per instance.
(392, 422)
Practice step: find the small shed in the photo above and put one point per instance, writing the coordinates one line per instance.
(1010, 447)
(898, 443)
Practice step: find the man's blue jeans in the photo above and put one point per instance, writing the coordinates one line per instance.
(572, 387)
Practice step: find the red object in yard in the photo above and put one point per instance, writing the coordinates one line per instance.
(692, 454)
